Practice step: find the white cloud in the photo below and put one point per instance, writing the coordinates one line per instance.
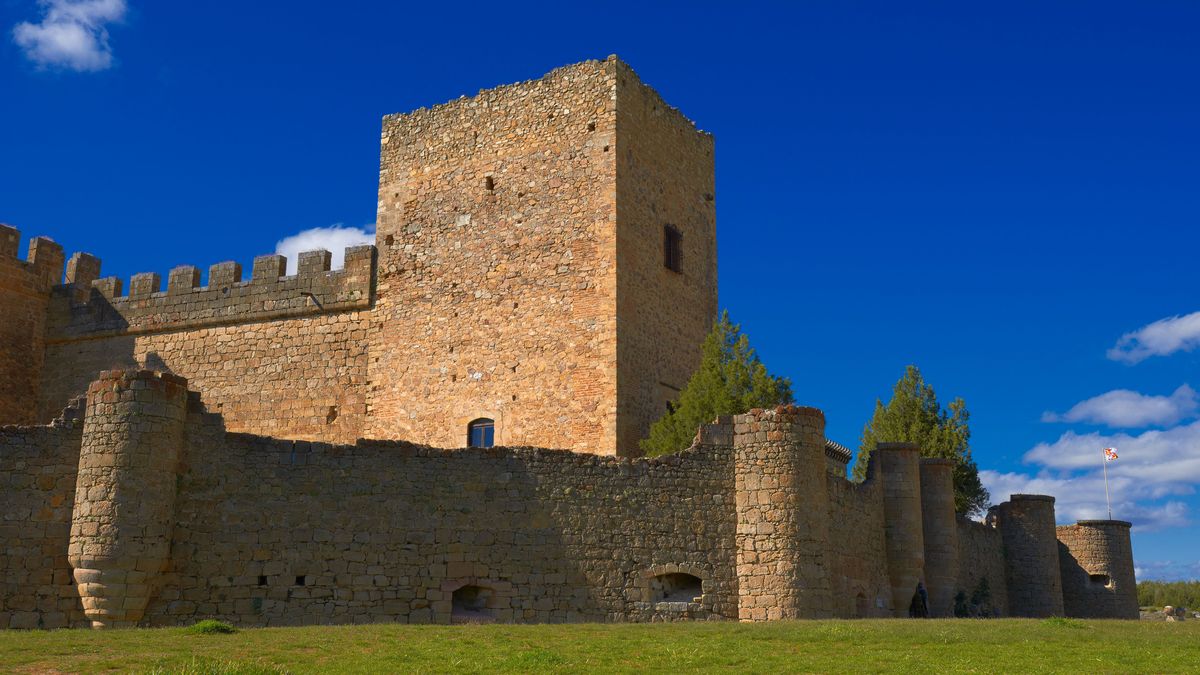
(72, 34)
(1161, 338)
(1129, 409)
(1154, 466)
(335, 239)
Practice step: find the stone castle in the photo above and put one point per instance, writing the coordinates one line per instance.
(268, 450)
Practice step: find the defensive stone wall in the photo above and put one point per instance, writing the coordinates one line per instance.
(142, 508)
(24, 287)
(982, 580)
(1096, 561)
(37, 491)
(857, 548)
(275, 354)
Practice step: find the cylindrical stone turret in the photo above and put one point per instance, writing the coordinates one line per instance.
(125, 492)
(1031, 556)
(940, 530)
(1096, 561)
(899, 469)
(782, 514)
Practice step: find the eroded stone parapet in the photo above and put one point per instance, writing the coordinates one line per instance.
(125, 492)
(782, 514)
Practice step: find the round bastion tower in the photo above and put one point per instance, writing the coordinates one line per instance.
(783, 514)
(125, 492)
(941, 534)
(1096, 561)
(899, 467)
(1031, 556)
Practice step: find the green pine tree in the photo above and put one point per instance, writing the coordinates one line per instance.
(915, 416)
(729, 381)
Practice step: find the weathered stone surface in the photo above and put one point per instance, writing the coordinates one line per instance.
(526, 274)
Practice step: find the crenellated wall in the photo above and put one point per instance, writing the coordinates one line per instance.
(982, 579)
(858, 562)
(24, 292)
(282, 355)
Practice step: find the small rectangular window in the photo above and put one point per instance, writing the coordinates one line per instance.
(672, 249)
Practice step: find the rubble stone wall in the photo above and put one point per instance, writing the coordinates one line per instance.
(37, 494)
(857, 548)
(665, 178)
(981, 572)
(24, 289)
(497, 267)
(276, 355)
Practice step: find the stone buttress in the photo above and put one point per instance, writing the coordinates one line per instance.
(125, 492)
(782, 515)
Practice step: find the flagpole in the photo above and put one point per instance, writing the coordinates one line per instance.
(1104, 463)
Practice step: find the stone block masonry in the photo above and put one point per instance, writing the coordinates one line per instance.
(140, 508)
(547, 270)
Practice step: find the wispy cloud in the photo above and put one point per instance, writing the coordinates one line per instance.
(1156, 468)
(1167, 570)
(72, 34)
(1161, 338)
(335, 239)
(1122, 408)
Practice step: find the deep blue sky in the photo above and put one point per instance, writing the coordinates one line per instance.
(996, 193)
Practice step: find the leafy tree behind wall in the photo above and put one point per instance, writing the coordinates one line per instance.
(729, 381)
(915, 416)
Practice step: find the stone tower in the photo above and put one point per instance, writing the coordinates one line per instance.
(547, 261)
(903, 525)
(125, 492)
(940, 531)
(1096, 562)
(1031, 556)
(782, 514)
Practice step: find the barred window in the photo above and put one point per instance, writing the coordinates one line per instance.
(672, 248)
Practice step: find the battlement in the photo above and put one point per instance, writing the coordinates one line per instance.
(43, 263)
(88, 306)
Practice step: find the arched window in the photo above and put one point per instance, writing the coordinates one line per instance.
(481, 433)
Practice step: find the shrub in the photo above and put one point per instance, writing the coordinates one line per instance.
(211, 627)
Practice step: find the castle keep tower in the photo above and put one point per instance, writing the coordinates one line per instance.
(547, 262)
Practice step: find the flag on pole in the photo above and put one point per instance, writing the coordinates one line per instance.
(1110, 454)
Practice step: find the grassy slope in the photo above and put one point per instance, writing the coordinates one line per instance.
(856, 646)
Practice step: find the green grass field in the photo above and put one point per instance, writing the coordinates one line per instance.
(904, 646)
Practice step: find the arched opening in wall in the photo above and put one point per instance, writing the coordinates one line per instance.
(860, 606)
(470, 605)
(481, 433)
(676, 587)
(1099, 579)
